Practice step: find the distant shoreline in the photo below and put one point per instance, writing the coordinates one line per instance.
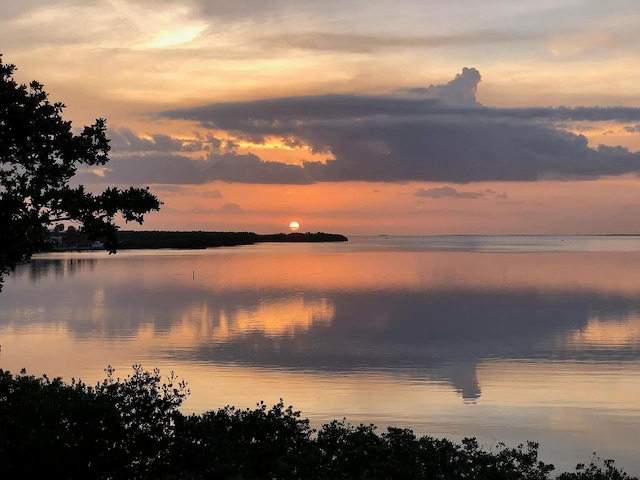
(129, 240)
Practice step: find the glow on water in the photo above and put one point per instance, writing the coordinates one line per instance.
(503, 338)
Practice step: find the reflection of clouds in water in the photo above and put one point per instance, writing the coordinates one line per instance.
(439, 335)
(430, 317)
(463, 376)
(435, 335)
(285, 317)
(606, 333)
(546, 345)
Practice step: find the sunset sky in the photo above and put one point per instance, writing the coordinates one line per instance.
(358, 117)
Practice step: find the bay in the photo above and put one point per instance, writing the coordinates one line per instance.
(505, 338)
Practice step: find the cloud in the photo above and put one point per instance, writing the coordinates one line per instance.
(155, 168)
(226, 209)
(249, 168)
(231, 208)
(439, 133)
(125, 140)
(237, 9)
(447, 192)
(171, 189)
(178, 169)
(633, 129)
(459, 91)
(595, 114)
(182, 190)
(349, 42)
(9, 10)
(162, 159)
(212, 194)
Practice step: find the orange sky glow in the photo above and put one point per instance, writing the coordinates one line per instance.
(361, 119)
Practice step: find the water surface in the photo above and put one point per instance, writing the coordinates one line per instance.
(504, 338)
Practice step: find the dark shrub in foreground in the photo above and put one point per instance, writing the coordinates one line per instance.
(132, 429)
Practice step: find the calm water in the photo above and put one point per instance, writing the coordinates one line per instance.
(503, 338)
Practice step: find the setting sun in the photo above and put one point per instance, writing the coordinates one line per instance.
(293, 226)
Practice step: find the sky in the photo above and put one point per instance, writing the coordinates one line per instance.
(362, 117)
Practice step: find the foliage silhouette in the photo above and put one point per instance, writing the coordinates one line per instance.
(199, 239)
(117, 429)
(132, 429)
(39, 154)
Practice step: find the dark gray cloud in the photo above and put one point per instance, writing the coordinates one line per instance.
(438, 133)
(156, 168)
(178, 169)
(633, 129)
(250, 168)
(125, 140)
(456, 98)
(558, 114)
(448, 192)
(460, 150)
(159, 159)
(275, 115)
(265, 116)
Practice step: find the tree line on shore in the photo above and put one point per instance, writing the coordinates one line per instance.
(132, 428)
(71, 238)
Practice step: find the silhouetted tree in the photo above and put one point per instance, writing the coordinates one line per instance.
(120, 428)
(39, 154)
(133, 428)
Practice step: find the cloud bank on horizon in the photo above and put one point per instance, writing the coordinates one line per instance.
(439, 133)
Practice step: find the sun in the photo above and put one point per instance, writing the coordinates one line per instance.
(294, 226)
